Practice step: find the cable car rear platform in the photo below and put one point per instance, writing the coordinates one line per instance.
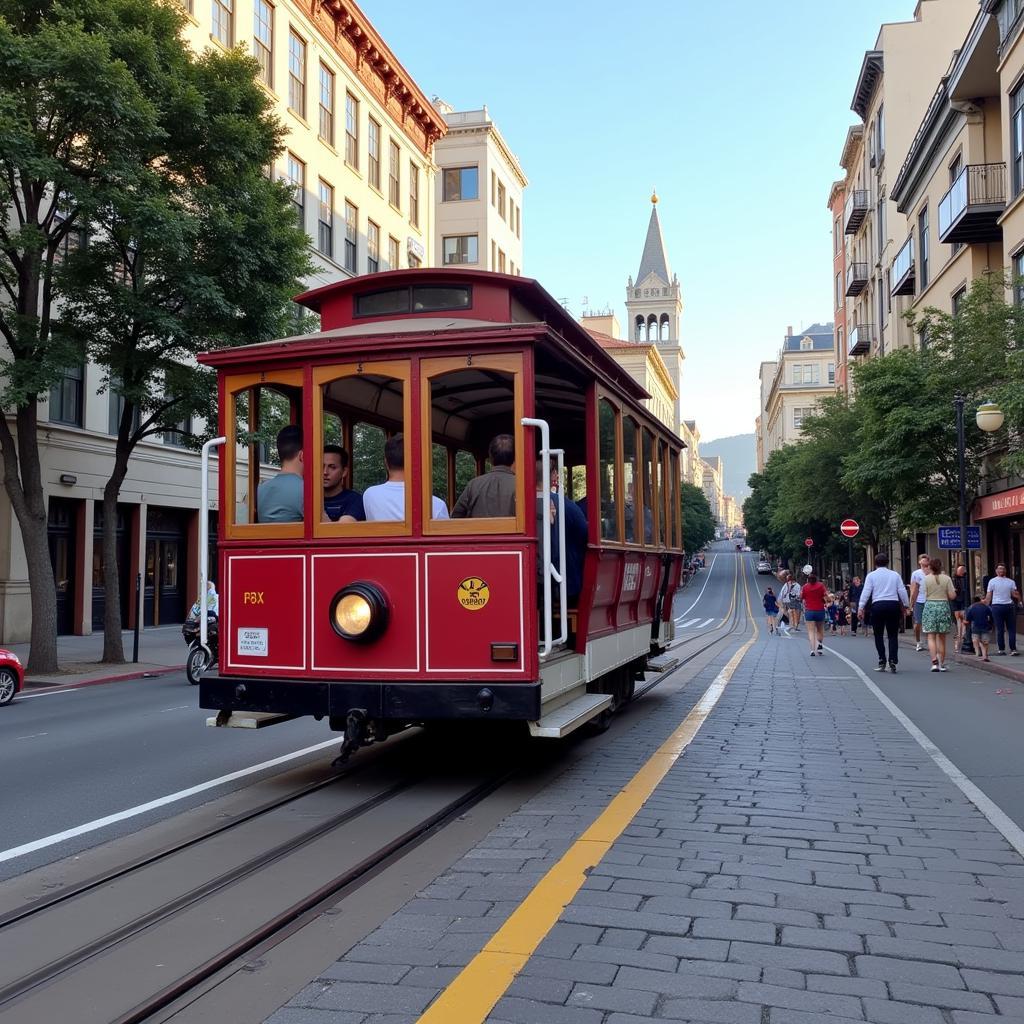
(803, 860)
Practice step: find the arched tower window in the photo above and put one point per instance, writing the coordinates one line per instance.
(652, 328)
(664, 328)
(639, 329)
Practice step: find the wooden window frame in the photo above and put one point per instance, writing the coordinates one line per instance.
(235, 384)
(656, 501)
(398, 369)
(620, 511)
(510, 363)
(638, 495)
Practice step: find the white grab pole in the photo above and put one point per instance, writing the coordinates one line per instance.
(545, 454)
(204, 534)
(563, 587)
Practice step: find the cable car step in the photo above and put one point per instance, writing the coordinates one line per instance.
(661, 664)
(568, 717)
(248, 719)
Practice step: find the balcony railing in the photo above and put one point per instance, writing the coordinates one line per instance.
(856, 278)
(903, 269)
(861, 338)
(856, 210)
(970, 210)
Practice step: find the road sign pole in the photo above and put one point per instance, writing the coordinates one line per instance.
(850, 549)
(958, 404)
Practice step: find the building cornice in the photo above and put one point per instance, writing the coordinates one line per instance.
(854, 138)
(354, 39)
(490, 129)
(867, 81)
(837, 186)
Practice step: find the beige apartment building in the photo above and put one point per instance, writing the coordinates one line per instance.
(765, 377)
(478, 194)
(691, 467)
(802, 374)
(712, 485)
(892, 92)
(359, 153)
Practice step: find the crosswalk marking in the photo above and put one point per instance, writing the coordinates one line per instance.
(686, 625)
(706, 622)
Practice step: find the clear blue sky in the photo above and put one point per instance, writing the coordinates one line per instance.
(737, 112)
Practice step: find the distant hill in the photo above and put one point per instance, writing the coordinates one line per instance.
(739, 458)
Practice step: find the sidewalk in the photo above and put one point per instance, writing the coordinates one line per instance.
(161, 650)
(805, 861)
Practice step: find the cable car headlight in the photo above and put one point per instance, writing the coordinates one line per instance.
(359, 612)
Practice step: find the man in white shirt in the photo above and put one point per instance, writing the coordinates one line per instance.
(1002, 595)
(917, 596)
(885, 591)
(386, 502)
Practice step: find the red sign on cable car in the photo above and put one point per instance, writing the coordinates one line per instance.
(849, 527)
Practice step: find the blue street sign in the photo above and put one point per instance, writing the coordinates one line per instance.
(949, 538)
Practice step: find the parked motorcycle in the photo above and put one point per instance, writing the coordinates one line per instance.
(197, 661)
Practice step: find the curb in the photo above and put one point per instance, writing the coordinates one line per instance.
(78, 683)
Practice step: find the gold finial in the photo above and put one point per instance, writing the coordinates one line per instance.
(654, 196)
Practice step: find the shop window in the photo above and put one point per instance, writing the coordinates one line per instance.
(607, 415)
(633, 508)
(472, 407)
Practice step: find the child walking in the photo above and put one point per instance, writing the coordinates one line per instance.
(771, 608)
(979, 617)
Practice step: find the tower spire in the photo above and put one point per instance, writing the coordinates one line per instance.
(654, 257)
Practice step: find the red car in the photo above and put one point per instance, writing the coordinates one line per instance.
(12, 676)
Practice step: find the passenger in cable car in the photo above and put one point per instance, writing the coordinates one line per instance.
(341, 504)
(493, 493)
(279, 499)
(386, 502)
(547, 516)
(575, 542)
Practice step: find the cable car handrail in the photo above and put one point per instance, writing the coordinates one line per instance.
(204, 536)
(550, 572)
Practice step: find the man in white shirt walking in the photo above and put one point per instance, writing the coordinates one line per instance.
(887, 595)
(1002, 595)
(917, 597)
(386, 502)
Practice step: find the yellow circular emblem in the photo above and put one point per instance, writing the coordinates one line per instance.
(473, 593)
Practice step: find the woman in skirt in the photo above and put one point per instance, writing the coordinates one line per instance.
(937, 619)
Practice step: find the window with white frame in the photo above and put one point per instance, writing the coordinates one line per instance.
(351, 234)
(351, 131)
(263, 40)
(297, 180)
(394, 174)
(832, 366)
(325, 223)
(223, 12)
(394, 253)
(800, 413)
(372, 247)
(460, 249)
(459, 183)
(414, 194)
(296, 73)
(373, 152)
(326, 89)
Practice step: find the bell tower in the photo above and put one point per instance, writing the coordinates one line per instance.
(654, 305)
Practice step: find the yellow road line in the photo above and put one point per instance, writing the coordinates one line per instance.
(485, 979)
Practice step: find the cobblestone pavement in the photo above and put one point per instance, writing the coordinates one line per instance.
(804, 861)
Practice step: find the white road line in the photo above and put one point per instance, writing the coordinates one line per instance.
(163, 801)
(33, 736)
(702, 589)
(180, 707)
(706, 622)
(48, 693)
(1005, 825)
(689, 623)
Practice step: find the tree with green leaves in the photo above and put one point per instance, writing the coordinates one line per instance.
(201, 251)
(698, 522)
(77, 117)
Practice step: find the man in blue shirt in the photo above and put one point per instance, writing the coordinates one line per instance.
(575, 542)
(340, 503)
(279, 499)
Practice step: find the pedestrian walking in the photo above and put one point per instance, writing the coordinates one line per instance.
(959, 605)
(814, 596)
(771, 608)
(917, 597)
(937, 618)
(885, 597)
(1001, 596)
(979, 618)
(843, 616)
(856, 589)
(790, 597)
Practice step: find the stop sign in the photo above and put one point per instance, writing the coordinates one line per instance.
(809, 543)
(849, 527)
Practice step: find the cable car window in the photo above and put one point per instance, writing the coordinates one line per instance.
(631, 480)
(435, 297)
(472, 405)
(362, 413)
(674, 507)
(663, 492)
(650, 490)
(606, 417)
(383, 303)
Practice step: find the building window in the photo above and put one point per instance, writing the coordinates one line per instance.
(224, 22)
(372, 247)
(373, 151)
(394, 172)
(116, 409)
(325, 225)
(74, 238)
(297, 73)
(351, 230)
(888, 291)
(839, 343)
(179, 432)
(414, 195)
(882, 239)
(1017, 137)
(839, 291)
(832, 371)
(494, 256)
(394, 254)
(880, 134)
(66, 397)
(958, 299)
(881, 308)
(460, 249)
(297, 180)
(837, 236)
(922, 250)
(501, 200)
(263, 40)
(351, 131)
(806, 344)
(460, 183)
(519, 221)
(326, 104)
(494, 189)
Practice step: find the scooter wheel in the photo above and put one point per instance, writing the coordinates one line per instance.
(195, 665)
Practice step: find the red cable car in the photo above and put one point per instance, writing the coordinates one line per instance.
(414, 611)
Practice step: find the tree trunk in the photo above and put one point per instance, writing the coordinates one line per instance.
(24, 485)
(113, 644)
